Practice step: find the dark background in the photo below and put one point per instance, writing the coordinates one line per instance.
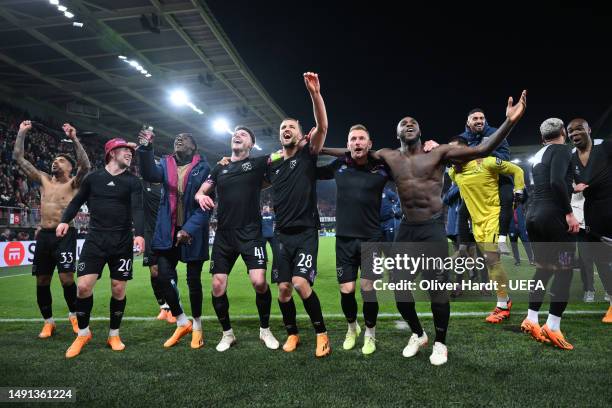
(381, 61)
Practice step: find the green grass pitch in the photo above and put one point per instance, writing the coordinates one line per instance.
(488, 365)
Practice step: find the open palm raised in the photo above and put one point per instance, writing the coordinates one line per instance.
(514, 112)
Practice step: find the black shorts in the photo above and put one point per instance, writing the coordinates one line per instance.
(246, 242)
(115, 248)
(425, 239)
(298, 248)
(348, 259)
(150, 257)
(51, 252)
(547, 230)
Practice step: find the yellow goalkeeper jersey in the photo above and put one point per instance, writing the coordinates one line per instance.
(478, 185)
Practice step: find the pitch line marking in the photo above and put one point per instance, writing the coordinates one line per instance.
(278, 317)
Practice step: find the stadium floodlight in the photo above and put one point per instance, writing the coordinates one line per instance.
(220, 125)
(77, 24)
(68, 14)
(62, 8)
(133, 63)
(179, 97)
(148, 75)
(516, 161)
(54, 2)
(122, 57)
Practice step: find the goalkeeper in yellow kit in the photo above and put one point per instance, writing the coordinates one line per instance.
(478, 186)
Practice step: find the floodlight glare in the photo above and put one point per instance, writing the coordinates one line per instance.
(256, 146)
(516, 161)
(54, 2)
(62, 8)
(220, 125)
(179, 97)
(122, 57)
(68, 14)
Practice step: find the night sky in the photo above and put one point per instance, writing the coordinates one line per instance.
(380, 62)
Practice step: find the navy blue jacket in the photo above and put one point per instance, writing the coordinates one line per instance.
(474, 139)
(452, 199)
(389, 198)
(196, 220)
(267, 225)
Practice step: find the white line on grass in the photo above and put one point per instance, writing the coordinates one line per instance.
(300, 316)
(12, 276)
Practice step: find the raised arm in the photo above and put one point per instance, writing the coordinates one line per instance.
(28, 168)
(317, 138)
(462, 154)
(83, 165)
(151, 172)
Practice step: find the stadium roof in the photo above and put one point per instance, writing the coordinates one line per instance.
(47, 59)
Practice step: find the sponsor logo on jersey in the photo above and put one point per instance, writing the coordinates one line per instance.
(110, 183)
(293, 163)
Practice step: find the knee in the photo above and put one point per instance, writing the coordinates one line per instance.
(284, 291)
(260, 286)
(218, 286)
(347, 288)
(302, 287)
(43, 280)
(154, 271)
(118, 289)
(66, 279)
(84, 290)
(366, 285)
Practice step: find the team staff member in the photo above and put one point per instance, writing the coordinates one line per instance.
(114, 198)
(267, 230)
(387, 214)
(56, 191)
(181, 230)
(294, 179)
(550, 221)
(360, 181)
(592, 164)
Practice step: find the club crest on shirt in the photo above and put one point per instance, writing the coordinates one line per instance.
(498, 161)
(293, 163)
(340, 271)
(246, 166)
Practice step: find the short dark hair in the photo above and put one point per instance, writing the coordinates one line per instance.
(67, 157)
(295, 120)
(359, 126)
(459, 139)
(475, 110)
(246, 129)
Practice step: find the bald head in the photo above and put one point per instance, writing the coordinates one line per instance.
(579, 132)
